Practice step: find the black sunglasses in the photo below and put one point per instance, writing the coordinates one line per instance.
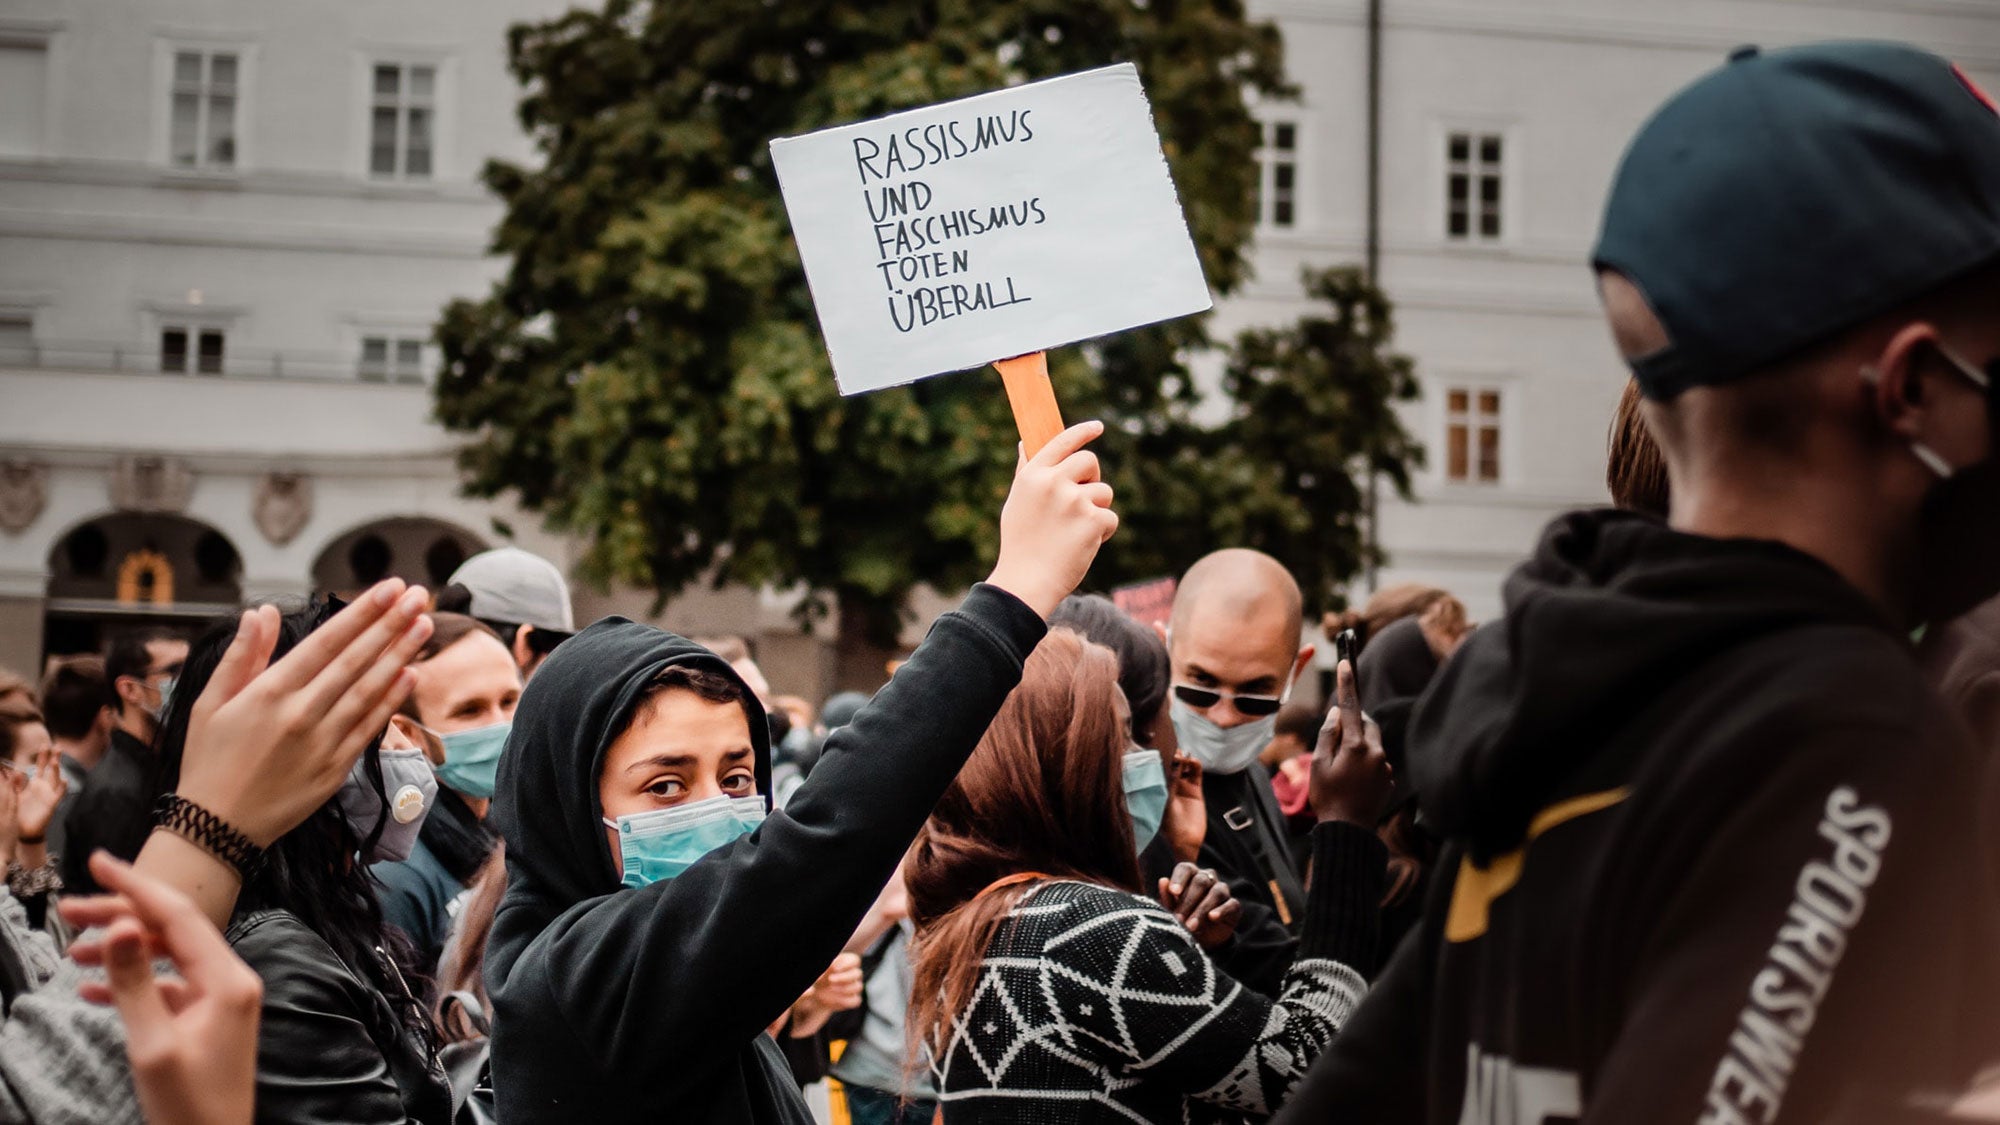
(1201, 699)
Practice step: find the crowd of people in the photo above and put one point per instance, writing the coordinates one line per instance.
(1699, 828)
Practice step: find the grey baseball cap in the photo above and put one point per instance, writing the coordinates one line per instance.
(509, 584)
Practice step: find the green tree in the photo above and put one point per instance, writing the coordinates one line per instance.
(1314, 415)
(649, 374)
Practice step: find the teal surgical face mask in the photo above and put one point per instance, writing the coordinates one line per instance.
(1145, 794)
(472, 758)
(661, 844)
(166, 694)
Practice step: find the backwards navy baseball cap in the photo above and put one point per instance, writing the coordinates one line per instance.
(1793, 194)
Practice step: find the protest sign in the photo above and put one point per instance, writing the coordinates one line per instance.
(990, 227)
(1148, 603)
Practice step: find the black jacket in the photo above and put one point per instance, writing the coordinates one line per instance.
(324, 1051)
(1707, 838)
(1246, 845)
(114, 812)
(650, 1005)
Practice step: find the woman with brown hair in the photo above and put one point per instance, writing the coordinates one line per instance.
(1047, 987)
(1442, 616)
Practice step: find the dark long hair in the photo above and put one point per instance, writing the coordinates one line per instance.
(312, 871)
(1143, 664)
(1042, 793)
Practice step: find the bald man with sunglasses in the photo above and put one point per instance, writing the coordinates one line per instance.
(1236, 655)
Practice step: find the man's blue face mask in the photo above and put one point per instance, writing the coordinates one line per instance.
(472, 758)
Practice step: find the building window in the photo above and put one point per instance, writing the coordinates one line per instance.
(202, 131)
(1472, 187)
(24, 70)
(190, 350)
(17, 338)
(398, 359)
(1277, 173)
(1472, 435)
(403, 112)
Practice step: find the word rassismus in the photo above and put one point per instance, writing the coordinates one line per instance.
(918, 146)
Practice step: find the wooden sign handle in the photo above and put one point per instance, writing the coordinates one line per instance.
(1033, 398)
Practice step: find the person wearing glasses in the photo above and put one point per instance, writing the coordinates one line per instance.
(1234, 650)
(113, 813)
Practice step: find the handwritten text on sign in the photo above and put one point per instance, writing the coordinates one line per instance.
(948, 237)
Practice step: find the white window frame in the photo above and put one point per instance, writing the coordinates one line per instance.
(195, 328)
(16, 313)
(1475, 420)
(403, 103)
(1512, 181)
(157, 317)
(1266, 156)
(394, 370)
(444, 113)
(43, 36)
(164, 52)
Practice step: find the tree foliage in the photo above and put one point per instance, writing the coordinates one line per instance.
(649, 375)
(1315, 415)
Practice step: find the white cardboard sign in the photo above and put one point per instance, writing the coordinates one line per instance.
(948, 237)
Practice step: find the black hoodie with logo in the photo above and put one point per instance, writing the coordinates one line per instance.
(1709, 858)
(624, 1005)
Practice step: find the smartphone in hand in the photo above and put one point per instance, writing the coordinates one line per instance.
(1345, 645)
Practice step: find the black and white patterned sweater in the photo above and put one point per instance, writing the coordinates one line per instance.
(1095, 1005)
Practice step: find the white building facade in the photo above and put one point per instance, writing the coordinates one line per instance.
(226, 228)
(225, 232)
(1501, 123)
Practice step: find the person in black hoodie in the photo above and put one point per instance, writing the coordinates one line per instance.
(1708, 827)
(648, 1001)
(1392, 673)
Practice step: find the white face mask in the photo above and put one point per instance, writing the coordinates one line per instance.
(1221, 749)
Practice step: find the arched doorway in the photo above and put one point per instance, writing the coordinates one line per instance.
(418, 550)
(130, 569)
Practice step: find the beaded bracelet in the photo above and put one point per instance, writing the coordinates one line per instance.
(27, 882)
(208, 832)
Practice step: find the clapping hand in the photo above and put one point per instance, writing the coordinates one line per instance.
(40, 795)
(193, 1041)
(1202, 902)
(269, 743)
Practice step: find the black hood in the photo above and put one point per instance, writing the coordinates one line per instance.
(1397, 663)
(1393, 670)
(1612, 610)
(545, 803)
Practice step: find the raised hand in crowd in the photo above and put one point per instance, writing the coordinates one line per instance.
(268, 744)
(271, 744)
(192, 1042)
(838, 989)
(37, 799)
(1057, 515)
(10, 819)
(1201, 901)
(1186, 823)
(1351, 778)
